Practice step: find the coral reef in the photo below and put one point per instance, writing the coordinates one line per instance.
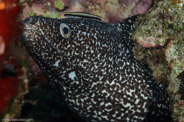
(109, 10)
(160, 34)
(163, 28)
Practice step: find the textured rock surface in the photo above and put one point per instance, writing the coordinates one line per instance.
(163, 28)
(109, 10)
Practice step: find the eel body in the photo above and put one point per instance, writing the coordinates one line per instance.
(92, 65)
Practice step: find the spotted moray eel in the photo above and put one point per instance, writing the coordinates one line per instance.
(91, 64)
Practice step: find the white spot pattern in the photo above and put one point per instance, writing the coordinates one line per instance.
(72, 75)
(95, 69)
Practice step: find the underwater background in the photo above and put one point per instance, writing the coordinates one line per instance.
(24, 91)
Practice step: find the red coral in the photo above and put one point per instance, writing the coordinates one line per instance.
(9, 10)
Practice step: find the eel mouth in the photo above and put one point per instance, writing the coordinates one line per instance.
(35, 41)
(33, 34)
(31, 30)
(31, 38)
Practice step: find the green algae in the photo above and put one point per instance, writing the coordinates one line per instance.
(59, 4)
(32, 13)
(52, 15)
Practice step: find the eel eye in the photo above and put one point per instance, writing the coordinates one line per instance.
(65, 30)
